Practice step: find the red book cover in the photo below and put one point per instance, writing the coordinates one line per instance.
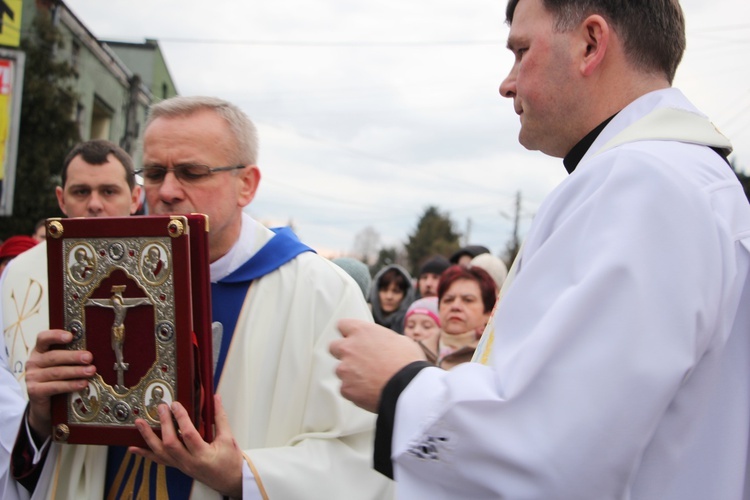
(135, 291)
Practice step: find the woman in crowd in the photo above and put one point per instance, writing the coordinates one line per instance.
(390, 296)
(466, 297)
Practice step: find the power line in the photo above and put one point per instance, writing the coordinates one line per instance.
(332, 43)
(699, 33)
(383, 43)
(725, 28)
(431, 175)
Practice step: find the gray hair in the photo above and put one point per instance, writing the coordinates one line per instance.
(243, 129)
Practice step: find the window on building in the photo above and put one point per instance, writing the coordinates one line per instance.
(101, 119)
(80, 113)
(164, 90)
(75, 56)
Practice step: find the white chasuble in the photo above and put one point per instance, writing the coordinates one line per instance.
(620, 366)
(299, 436)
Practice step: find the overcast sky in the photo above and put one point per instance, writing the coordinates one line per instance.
(371, 110)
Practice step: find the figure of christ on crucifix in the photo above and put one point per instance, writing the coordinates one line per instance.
(120, 306)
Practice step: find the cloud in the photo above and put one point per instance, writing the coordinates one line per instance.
(370, 111)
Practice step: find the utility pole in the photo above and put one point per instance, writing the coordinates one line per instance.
(514, 244)
(516, 223)
(467, 234)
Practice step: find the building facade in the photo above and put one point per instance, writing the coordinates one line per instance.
(115, 82)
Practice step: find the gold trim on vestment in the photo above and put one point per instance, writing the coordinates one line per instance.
(261, 488)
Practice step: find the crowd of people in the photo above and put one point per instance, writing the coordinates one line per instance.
(446, 308)
(612, 360)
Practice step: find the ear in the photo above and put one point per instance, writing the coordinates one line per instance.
(249, 180)
(60, 199)
(135, 199)
(596, 35)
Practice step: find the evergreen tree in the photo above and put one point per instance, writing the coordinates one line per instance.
(47, 131)
(386, 257)
(434, 235)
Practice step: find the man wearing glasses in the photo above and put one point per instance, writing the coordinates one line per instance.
(282, 428)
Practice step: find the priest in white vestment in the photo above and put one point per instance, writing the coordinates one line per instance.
(282, 428)
(617, 363)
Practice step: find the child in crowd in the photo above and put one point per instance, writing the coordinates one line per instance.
(422, 324)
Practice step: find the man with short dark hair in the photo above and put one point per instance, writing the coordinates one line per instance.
(429, 275)
(617, 362)
(97, 181)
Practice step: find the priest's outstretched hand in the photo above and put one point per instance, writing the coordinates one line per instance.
(217, 464)
(370, 355)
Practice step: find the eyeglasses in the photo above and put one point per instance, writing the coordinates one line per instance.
(187, 173)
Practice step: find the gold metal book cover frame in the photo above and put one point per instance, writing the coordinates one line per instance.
(128, 297)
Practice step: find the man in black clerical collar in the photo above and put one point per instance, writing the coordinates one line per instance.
(618, 357)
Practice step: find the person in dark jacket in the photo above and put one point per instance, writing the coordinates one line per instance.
(391, 294)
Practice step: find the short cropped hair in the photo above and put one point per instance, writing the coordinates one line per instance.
(244, 131)
(487, 285)
(652, 31)
(96, 152)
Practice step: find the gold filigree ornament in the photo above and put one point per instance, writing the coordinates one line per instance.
(175, 228)
(55, 228)
(62, 433)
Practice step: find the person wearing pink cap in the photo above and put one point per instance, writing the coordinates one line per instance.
(422, 323)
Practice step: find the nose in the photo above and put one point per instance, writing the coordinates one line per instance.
(96, 205)
(508, 85)
(170, 190)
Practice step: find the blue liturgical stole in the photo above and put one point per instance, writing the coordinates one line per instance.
(129, 474)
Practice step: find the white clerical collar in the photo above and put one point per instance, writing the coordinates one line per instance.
(661, 115)
(241, 251)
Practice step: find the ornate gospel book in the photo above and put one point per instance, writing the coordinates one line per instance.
(135, 291)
